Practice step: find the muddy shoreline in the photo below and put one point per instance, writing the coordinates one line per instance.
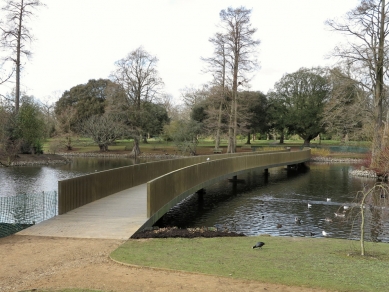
(174, 232)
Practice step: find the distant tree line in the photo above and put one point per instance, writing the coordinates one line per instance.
(347, 101)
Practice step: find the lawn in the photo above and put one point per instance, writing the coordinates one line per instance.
(325, 263)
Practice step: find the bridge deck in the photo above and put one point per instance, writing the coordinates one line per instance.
(117, 216)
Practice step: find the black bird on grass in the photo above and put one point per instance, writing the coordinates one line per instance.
(259, 244)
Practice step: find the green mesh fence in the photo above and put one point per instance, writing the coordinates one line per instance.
(21, 211)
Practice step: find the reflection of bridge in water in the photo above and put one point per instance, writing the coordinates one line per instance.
(118, 202)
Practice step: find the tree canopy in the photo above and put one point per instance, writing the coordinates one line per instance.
(87, 100)
(301, 96)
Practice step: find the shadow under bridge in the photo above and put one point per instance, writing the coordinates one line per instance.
(166, 191)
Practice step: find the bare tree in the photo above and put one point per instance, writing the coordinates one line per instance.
(368, 27)
(104, 130)
(241, 50)
(372, 200)
(138, 75)
(16, 35)
(216, 65)
(347, 113)
(217, 113)
(192, 95)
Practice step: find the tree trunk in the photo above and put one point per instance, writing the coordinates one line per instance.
(136, 150)
(307, 142)
(103, 147)
(234, 110)
(282, 137)
(18, 47)
(231, 148)
(378, 94)
(248, 138)
(362, 238)
(219, 122)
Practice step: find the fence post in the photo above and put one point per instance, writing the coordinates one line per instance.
(56, 203)
(43, 206)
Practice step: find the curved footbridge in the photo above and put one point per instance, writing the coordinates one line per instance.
(116, 203)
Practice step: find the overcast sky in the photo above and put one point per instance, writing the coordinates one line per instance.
(78, 40)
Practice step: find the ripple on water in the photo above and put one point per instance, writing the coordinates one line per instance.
(280, 199)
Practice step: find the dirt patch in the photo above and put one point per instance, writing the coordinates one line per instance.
(174, 232)
(29, 262)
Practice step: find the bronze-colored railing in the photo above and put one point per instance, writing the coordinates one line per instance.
(165, 191)
(76, 192)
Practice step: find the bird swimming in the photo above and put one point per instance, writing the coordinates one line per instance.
(346, 207)
(324, 233)
(328, 219)
(328, 199)
(297, 220)
(309, 205)
(208, 159)
(340, 215)
(279, 225)
(259, 244)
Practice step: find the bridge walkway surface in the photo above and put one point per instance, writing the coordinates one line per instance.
(117, 216)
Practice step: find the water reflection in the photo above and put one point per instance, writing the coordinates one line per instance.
(34, 179)
(270, 204)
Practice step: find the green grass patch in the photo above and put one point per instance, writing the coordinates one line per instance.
(324, 263)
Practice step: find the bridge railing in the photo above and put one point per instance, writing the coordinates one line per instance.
(79, 191)
(165, 191)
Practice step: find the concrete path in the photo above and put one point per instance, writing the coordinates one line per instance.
(117, 216)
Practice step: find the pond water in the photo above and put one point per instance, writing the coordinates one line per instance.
(256, 205)
(269, 205)
(34, 179)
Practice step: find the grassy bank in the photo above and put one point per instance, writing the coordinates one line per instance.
(205, 146)
(324, 263)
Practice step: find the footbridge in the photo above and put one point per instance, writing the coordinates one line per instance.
(131, 198)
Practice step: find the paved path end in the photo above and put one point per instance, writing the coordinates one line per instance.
(117, 216)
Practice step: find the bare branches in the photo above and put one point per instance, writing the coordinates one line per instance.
(367, 25)
(234, 58)
(104, 130)
(16, 35)
(137, 74)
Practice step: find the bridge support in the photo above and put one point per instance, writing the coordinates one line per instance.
(200, 195)
(296, 166)
(201, 191)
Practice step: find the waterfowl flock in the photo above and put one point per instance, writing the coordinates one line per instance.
(341, 213)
